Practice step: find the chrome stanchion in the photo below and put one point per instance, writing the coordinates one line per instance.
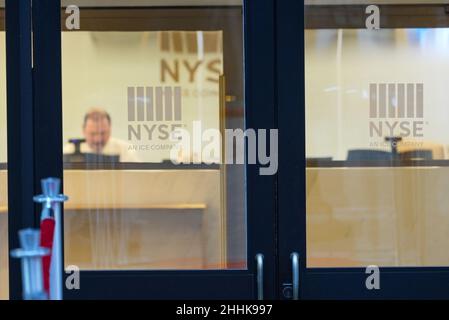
(51, 204)
(31, 255)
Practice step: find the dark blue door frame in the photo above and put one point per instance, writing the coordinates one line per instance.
(322, 283)
(34, 128)
(20, 129)
(35, 122)
(291, 175)
(274, 75)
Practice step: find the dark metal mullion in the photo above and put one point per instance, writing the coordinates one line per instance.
(47, 88)
(260, 109)
(47, 95)
(20, 130)
(291, 117)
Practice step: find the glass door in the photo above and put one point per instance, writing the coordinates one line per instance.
(374, 219)
(155, 96)
(127, 87)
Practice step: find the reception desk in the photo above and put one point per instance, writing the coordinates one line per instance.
(139, 219)
(3, 235)
(174, 219)
(143, 219)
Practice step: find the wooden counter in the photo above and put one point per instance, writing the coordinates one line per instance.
(144, 219)
(168, 219)
(390, 216)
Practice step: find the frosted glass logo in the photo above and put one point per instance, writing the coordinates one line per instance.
(396, 110)
(153, 112)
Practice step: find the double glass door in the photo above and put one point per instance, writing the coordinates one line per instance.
(230, 149)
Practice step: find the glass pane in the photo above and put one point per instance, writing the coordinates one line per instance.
(132, 78)
(4, 282)
(377, 136)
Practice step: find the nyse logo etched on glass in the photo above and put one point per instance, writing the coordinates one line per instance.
(396, 110)
(153, 112)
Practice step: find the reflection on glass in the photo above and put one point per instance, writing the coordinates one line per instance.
(376, 121)
(126, 88)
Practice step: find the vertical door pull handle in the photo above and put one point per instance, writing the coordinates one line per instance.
(295, 274)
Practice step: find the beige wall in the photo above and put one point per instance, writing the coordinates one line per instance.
(340, 65)
(98, 67)
(3, 146)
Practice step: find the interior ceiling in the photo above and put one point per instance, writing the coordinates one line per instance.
(368, 2)
(146, 3)
(138, 3)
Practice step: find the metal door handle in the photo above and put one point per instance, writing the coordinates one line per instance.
(295, 274)
(259, 262)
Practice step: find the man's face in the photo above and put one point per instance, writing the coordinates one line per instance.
(97, 133)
